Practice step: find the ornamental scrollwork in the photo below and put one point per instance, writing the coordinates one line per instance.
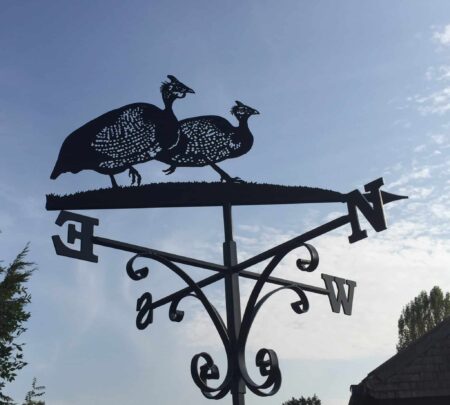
(266, 359)
(203, 368)
(201, 373)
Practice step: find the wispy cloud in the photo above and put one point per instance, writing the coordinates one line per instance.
(440, 139)
(437, 102)
(442, 36)
(438, 73)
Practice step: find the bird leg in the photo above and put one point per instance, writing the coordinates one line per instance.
(113, 181)
(170, 170)
(135, 176)
(224, 176)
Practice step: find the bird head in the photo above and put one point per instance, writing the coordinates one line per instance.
(174, 88)
(241, 110)
(66, 164)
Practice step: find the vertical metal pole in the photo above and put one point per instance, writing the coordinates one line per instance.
(233, 305)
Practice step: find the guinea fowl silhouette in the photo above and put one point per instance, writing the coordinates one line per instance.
(121, 138)
(209, 139)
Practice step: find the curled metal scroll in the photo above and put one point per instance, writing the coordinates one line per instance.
(313, 263)
(207, 371)
(203, 367)
(266, 359)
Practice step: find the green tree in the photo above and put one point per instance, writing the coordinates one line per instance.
(33, 395)
(314, 400)
(422, 314)
(13, 299)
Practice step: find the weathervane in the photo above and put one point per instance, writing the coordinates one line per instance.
(140, 132)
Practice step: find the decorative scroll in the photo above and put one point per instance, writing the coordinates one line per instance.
(266, 359)
(203, 368)
(200, 373)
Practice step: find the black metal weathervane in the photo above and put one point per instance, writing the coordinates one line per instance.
(140, 132)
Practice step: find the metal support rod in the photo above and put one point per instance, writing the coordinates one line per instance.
(246, 274)
(233, 306)
(128, 247)
(293, 243)
(280, 281)
(185, 291)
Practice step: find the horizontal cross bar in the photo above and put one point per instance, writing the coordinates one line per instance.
(127, 247)
(246, 274)
(239, 268)
(292, 244)
(280, 281)
(185, 291)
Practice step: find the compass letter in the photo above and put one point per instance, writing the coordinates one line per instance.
(85, 235)
(341, 298)
(373, 213)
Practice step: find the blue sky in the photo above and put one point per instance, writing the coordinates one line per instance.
(347, 91)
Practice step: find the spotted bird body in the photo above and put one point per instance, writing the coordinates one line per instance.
(129, 140)
(121, 138)
(210, 139)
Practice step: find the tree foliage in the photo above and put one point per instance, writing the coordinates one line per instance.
(422, 314)
(13, 299)
(314, 400)
(32, 397)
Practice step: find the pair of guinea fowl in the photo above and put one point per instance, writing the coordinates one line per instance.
(139, 132)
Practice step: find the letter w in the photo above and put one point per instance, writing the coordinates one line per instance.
(341, 298)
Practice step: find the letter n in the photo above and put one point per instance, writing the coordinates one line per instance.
(373, 213)
(341, 298)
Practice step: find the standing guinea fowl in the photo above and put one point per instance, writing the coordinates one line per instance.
(209, 139)
(121, 138)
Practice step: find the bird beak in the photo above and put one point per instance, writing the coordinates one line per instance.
(188, 90)
(255, 112)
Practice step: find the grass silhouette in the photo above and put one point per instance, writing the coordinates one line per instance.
(192, 194)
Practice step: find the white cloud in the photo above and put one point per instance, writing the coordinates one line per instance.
(402, 123)
(443, 37)
(414, 174)
(437, 102)
(440, 139)
(438, 73)
(420, 148)
(440, 211)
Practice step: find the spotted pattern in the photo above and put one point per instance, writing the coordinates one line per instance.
(130, 139)
(207, 143)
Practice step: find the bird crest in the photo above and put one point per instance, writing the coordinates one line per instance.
(174, 88)
(241, 110)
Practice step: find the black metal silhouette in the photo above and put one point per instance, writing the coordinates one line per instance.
(235, 331)
(199, 195)
(210, 139)
(121, 138)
